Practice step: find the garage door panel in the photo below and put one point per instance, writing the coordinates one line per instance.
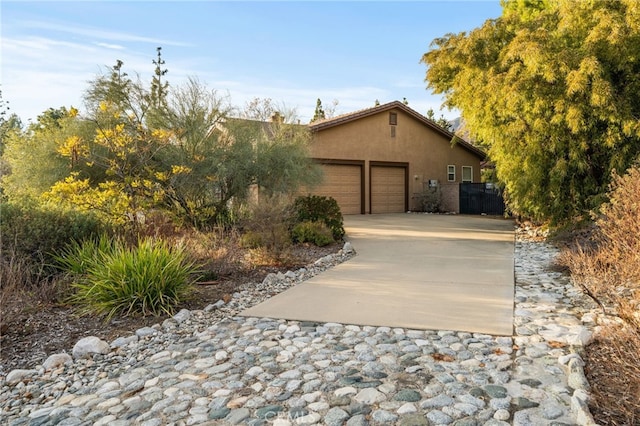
(388, 189)
(344, 183)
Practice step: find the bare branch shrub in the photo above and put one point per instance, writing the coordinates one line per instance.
(430, 200)
(613, 370)
(606, 264)
(268, 227)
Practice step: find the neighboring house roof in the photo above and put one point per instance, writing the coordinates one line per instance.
(346, 118)
(253, 124)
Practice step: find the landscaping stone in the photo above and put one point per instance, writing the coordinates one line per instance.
(57, 361)
(211, 366)
(88, 346)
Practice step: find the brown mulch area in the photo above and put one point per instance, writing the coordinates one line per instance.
(35, 329)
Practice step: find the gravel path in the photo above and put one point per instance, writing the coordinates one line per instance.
(212, 367)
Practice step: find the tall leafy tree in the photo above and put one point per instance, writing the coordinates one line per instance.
(36, 158)
(550, 87)
(215, 159)
(280, 146)
(282, 161)
(121, 155)
(201, 168)
(9, 123)
(4, 112)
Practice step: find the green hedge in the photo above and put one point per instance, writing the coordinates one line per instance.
(315, 208)
(312, 232)
(37, 232)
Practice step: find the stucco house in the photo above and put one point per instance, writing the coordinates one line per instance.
(381, 159)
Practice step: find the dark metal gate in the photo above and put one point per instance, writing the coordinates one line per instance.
(481, 198)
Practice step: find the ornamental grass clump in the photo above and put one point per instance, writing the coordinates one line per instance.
(110, 278)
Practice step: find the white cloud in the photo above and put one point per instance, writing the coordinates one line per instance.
(98, 33)
(36, 46)
(39, 72)
(110, 46)
(42, 72)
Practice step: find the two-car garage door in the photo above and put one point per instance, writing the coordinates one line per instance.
(344, 182)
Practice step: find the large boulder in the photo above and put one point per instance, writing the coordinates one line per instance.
(16, 376)
(88, 346)
(56, 361)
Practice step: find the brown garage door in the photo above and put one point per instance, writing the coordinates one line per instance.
(344, 183)
(387, 189)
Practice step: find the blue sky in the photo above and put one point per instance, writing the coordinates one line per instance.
(290, 51)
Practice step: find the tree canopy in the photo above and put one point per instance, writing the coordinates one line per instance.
(145, 148)
(550, 88)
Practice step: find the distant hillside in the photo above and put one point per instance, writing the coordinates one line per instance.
(456, 123)
(457, 127)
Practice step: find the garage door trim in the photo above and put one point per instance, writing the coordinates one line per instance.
(373, 164)
(359, 163)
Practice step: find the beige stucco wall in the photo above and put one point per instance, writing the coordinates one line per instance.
(427, 152)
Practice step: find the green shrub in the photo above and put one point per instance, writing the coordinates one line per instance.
(316, 208)
(312, 232)
(111, 278)
(251, 239)
(36, 232)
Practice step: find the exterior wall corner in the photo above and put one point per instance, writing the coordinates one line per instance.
(451, 197)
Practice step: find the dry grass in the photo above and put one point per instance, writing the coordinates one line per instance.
(613, 370)
(218, 252)
(35, 326)
(605, 262)
(26, 284)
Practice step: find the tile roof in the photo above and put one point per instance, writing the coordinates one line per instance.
(352, 116)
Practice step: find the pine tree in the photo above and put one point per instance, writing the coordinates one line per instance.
(319, 112)
(159, 88)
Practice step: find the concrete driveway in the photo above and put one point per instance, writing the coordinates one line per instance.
(433, 272)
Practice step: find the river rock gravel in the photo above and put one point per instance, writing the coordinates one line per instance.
(210, 367)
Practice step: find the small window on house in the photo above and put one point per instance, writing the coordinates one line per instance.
(393, 131)
(393, 118)
(451, 173)
(467, 174)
